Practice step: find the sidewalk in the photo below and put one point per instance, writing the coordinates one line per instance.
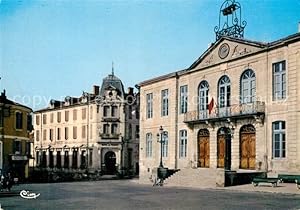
(285, 188)
(9, 194)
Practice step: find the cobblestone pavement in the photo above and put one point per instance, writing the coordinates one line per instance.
(125, 194)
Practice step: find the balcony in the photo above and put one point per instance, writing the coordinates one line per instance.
(109, 135)
(236, 111)
(110, 119)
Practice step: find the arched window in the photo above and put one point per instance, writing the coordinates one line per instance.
(224, 92)
(248, 86)
(165, 144)
(149, 145)
(203, 95)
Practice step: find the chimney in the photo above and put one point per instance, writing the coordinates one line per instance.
(130, 91)
(3, 94)
(96, 90)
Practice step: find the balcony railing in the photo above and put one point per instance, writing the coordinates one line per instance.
(236, 110)
(110, 119)
(109, 135)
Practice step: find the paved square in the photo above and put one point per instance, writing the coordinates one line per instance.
(125, 194)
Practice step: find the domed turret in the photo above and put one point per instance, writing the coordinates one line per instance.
(112, 81)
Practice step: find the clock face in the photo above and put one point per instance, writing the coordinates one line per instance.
(224, 50)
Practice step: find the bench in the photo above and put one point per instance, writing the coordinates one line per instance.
(297, 183)
(273, 181)
(288, 178)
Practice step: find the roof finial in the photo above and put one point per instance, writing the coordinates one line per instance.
(112, 69)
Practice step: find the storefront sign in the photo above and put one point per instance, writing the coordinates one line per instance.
(19, 157)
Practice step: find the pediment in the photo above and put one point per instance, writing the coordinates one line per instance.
(226, 49)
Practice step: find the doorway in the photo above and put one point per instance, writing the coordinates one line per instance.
(110, 162)
(247, 147)
(203, 148)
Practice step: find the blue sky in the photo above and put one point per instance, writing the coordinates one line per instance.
(56, 48)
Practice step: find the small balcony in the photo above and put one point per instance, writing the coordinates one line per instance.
(109, 135)
(236, 111)
(110, 119)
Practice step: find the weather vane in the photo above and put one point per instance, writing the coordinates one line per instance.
(230, 23)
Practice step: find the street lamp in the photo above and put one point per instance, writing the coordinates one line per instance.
(161, 140)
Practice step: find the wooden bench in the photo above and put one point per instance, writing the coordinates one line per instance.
(273, 181)
(288, 178)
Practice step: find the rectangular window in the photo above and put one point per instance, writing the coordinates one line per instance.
(114, 110)
(129, 112)
(66, 133)
(51, 117)
(106, 128)
(75, 114)
(91, 112)
(44, 119)
(91, 131)
(58, 117)
(83, 131)
(129, 131)
(74, 132)
(105, 111)
(137, 131)
(44, 134)
(165, 144)
(17, 147)
(37, 135)
(66, 116)
(114, 129)
(279, 80)
(183, 99)
(58, 133)
(137, 112)
(182, 143)
(29, 122)
(37, 120)
(51, 134)
(164, 102)
(19, 120)
(84, 113)
(149, 106)
(279, 143)
(27, 148)
(149, 145)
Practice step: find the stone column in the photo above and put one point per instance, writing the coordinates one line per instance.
(70, 158)
(213, 147)
(54, 158)
(47, 158)
(235, 149)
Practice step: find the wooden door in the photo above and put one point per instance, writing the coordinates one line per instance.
(203, 151)
(221, 151)
(247, 151)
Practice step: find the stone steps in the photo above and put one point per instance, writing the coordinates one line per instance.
(198, 177)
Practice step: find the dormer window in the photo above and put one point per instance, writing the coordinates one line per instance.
(110, 94)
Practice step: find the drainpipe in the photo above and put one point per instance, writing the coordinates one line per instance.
(176, 121)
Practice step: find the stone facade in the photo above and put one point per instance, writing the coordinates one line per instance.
(95, 131)
(15, 144)
(242, 110)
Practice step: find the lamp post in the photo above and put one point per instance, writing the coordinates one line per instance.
(160, 139)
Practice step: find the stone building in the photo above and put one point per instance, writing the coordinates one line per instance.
(236, 107)
(15, 144)
(96, 131)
